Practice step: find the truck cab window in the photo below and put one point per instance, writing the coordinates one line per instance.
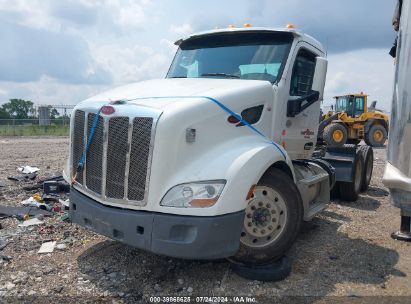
(303, 73)
(251, 56)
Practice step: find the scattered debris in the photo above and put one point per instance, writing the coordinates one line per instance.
(31, 222)
(28, 169)
(6, 258)
(65, 203)
(55, 187)
(3, 244)
(19, 212)
(34, 202)
(20, 178)
(65, 218)
(47, 247)
(61, 246)
(39, 184)
(49, 229)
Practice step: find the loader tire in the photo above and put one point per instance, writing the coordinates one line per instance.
(376, 136)
(349, 191)
(272, 220)
(368, 156)
(335, 135)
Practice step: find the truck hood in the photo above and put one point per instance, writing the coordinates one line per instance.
(152, 93)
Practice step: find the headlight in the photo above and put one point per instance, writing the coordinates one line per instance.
(194, 195)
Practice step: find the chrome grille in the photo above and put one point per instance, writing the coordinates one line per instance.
(139, 154)
(94, 171)
(78, 141)
(118, 159)
(116, 156)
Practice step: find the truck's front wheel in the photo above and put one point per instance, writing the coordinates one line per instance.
(272, 220)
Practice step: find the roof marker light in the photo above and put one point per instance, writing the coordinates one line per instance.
(290, 26)
(248, 25)
(231, 26)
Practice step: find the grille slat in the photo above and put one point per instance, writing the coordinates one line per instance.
(78, 142)
(94, 159)
(139, 155)
(116, 156)
(127, 163)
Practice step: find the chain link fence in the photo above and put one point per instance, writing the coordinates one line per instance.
(35, 127)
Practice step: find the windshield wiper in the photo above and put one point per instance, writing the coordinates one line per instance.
(221, 74)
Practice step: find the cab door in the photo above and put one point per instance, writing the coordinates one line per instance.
(299, 133)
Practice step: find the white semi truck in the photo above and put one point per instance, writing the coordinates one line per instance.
(219, 158)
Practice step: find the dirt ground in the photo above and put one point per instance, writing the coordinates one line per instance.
(346, 253)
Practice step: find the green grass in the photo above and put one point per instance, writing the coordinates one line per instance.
(33, 130)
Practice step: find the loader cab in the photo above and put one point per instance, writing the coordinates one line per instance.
(354, 105)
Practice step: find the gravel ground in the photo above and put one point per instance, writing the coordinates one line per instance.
(344, 253)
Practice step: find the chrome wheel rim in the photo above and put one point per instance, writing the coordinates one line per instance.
(265, 218)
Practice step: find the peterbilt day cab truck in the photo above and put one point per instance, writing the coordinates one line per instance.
(218, 159)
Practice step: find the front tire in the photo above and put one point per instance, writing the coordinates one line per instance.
(272, 220)
(335, 135)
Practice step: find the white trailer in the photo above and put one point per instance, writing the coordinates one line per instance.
(397, 176)
(217, 159)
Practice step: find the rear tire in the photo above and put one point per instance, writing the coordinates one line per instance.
(376, 136)
(368, 156)
(272, 220)
(335, 135)
(349, 191)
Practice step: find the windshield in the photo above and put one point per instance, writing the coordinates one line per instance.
(343, 104)
(251, 55)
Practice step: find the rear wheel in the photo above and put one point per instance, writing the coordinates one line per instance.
(349, 191)
(376, 136)
(335, 135)
(368, 156)
(272, 220)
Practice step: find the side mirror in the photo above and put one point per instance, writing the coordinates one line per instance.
(296, 106)
(320, 75)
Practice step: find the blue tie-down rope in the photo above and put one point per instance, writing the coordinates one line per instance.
(83, 158)
(227, 110)
(218, 103)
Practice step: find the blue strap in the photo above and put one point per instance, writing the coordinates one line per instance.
(227, 110)
(90, 138)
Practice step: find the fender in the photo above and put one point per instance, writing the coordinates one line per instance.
(241, 162)
(370, 122)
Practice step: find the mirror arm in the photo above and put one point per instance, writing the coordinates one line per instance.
(295, 107)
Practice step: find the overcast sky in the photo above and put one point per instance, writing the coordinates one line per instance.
(63, 51)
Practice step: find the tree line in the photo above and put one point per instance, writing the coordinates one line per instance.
(22, 109)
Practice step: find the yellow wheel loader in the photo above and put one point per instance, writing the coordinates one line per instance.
(351, 121)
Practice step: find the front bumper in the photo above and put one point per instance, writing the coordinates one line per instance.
(189, 237)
